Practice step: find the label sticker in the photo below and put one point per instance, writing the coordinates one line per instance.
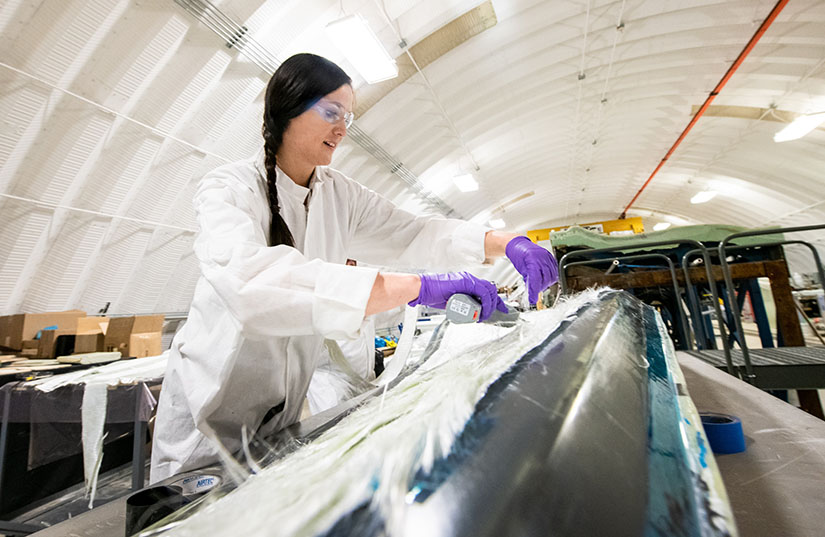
(196, 484)
(459, 307)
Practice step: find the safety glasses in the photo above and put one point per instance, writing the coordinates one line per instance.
(333, 112)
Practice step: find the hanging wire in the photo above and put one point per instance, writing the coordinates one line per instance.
(111, 216)
(115, 113)
(580, 86)
(603, 98)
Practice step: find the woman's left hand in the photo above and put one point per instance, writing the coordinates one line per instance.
(537, 265)
(436, 290)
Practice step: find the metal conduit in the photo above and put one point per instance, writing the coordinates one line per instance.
(699, 113)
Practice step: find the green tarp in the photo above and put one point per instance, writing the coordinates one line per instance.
(578, 237)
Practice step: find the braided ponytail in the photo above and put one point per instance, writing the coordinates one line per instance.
(299, 82)
(279, 232)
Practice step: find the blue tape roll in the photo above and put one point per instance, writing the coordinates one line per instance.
(724, 432)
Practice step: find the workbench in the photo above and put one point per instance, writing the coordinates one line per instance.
(40, 433)
(775, 270)
(777, 486)
(775, 368)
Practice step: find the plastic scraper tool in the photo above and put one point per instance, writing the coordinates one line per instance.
(462, 309)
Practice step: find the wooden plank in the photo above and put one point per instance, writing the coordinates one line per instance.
(661, 278)
(786, 318)
(787, 322)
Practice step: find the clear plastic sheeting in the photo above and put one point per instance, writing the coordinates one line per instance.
(704, 467)
(98, 399)
(55, 416)
(122, 372)
(372, 455)
(95, 398)
(46, 434)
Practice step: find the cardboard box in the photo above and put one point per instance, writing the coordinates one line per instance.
(92, 325)
(90, 334)
(16, 328)
(86, 343)
(45, 347)
(137, 336)
(53, 344)
(4, 329)
(143, 345)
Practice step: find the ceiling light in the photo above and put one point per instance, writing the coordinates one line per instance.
(661, 226)
(799, 127)
(354, 38)
(497, 223)
(466, 182)
(702, 197)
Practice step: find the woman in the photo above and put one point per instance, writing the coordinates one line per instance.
(275, 232)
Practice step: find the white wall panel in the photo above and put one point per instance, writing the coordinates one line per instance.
(22, 105)
(22, 226)
(57, 276)
(113, 266)
(176, 294)
(151, 273)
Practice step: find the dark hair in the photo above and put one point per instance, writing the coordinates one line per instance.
(300, 81)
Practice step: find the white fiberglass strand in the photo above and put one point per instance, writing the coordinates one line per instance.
(93, 413)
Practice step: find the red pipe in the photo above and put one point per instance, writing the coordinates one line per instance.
(742, 55)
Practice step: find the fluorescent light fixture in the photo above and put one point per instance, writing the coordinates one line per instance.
(661, 226)
(799, 127)
(497, 223)
(466, 182)
(702, 197)
(354, 38)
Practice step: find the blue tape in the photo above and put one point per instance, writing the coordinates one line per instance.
(724, 432)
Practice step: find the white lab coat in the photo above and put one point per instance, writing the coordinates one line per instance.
(330, 384)
(259, 314)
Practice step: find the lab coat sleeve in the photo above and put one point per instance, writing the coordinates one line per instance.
(271, 291)
(388, 236)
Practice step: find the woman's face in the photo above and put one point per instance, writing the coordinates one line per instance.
(311, 138)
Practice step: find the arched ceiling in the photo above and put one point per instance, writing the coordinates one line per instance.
(113, 109)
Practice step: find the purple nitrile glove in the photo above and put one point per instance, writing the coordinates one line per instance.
(436, 290)
(537, 266)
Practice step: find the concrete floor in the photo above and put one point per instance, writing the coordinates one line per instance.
(777, 486)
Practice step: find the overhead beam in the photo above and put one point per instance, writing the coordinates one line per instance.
(750, 112)
(426, 51)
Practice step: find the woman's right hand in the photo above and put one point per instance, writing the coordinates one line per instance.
(436, 290)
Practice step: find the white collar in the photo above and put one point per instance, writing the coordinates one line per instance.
(284, 181)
